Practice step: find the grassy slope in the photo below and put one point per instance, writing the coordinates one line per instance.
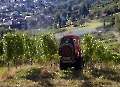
(2, 69)
(93, 24)
(29, 76)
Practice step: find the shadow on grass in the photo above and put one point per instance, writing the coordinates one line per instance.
(77, 75)
(87, 83)
(70, 74)
(34, 75)
(106, 73)
(46, 83)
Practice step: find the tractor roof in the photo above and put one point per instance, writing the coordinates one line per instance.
(71, 36)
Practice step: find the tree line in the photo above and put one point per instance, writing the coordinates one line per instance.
(75, 13)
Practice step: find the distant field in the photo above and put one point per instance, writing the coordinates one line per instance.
(93, 24)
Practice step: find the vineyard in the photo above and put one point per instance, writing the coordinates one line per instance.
(40, 54)
(19, 48)
(30, 34)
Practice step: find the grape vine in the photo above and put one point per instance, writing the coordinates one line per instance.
(94, 50)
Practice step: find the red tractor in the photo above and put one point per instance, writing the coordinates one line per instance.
(70, 52)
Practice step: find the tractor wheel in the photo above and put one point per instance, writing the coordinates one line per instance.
(79, 64)
(63, 66)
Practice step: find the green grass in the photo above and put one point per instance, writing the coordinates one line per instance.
(2, 70)
(112, 44)
(93, 24)
(92, 77)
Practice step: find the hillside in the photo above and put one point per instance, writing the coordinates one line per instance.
(30, 58)
(54, 14)
(79, 11)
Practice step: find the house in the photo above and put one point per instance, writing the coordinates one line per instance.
(19, 24)
(4, 15)
(17, 16)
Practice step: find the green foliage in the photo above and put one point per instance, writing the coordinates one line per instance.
(111, 8)
(57, 19)
(55, 25)
(13, 48)
(3, 31)
(49, 45)
(29, 47)
(72, 18)
(110, 19)
(35, 48)
(95, 51)
(84, 10)
(1, 48)
(88, 47)
(80, 8)
(13, 45)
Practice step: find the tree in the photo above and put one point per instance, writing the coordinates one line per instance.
(84, 10)
(50, 9)
(64, 14)
(72, 18)
(47, 10)
(70, 2)
(110, 19)
(31, 23)
(55, 25)
(57, 19)
(69, 9)
(91, 16)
